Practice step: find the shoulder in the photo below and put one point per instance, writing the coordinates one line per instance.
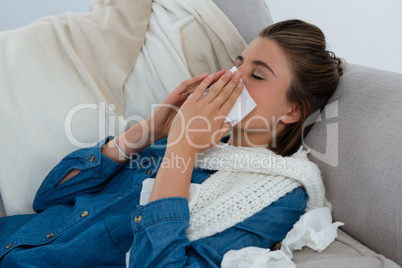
(285, 211)
(271, 225)
(295, 199)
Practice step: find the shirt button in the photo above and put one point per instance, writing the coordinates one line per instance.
(84, 214)
(149, 172)
(50, 235)
(9, 245)
(137, 219)
(92, 159)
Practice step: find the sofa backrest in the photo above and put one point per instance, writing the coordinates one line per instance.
(249, 19)
(357, 144)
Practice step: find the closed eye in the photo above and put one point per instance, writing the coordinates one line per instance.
(257, 77)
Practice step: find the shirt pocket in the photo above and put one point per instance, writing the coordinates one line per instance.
(120, 231)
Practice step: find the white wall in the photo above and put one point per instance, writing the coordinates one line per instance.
(17, 13)
(366, 32)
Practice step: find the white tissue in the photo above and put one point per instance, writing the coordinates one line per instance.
(243, 106)
(314, 230)
(253, 257)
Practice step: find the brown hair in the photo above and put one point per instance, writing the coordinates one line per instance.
(315, 76)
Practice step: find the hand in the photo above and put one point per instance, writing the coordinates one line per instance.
(199, 125)
(156, 126)
(159, 122)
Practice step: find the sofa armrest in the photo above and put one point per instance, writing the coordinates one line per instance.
(357, 145)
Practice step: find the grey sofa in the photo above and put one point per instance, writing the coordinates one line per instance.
(357, 143)
(365, 186)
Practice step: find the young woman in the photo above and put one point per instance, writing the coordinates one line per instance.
(246, 189)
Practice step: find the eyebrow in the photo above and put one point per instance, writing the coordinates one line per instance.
(258, 63)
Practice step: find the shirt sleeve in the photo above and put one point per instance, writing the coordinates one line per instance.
(95, 170)
(160, 239)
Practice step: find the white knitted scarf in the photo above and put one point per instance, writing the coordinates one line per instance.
(248, 180)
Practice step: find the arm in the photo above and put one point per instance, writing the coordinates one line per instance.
(95, 170)
(160, 239)
(154, 128)
(159, 227)
(130, 142)
(87, 170)
(198, 126)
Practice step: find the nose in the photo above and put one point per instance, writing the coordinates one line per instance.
(243, 69)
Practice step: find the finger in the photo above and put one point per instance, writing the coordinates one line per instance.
(183, 87)
(218, 75)
(199, 91)
(222, 96)
(217, 86)
(193, 87)
(222, 89)
(231, 100)
(196, 80)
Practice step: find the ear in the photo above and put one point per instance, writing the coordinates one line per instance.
(292, 115)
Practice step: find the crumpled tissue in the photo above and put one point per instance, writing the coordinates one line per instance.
(314, 230)
(250, 257)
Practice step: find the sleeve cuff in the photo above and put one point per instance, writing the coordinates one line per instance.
(98, 162)
(172, 209)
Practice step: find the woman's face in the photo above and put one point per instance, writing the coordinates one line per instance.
(266, 75)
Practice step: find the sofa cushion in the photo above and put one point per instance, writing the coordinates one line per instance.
(343, 252)
(357, 145)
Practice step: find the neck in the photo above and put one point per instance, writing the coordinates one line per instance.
(242, 138)
(249, 138)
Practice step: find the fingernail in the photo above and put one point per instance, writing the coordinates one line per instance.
(240, 84)
(237, 74)
(229, 73)
(210, 77)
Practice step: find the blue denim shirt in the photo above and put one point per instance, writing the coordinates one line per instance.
(93, 219)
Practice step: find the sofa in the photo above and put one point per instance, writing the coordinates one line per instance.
(356, 142)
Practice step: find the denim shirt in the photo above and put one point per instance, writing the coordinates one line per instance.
(94, 219)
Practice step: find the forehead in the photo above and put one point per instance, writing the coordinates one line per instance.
(269, 52)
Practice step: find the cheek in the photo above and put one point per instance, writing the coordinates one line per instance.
(270, 108)
(268, 105)
(261, 115)
(256, 120)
